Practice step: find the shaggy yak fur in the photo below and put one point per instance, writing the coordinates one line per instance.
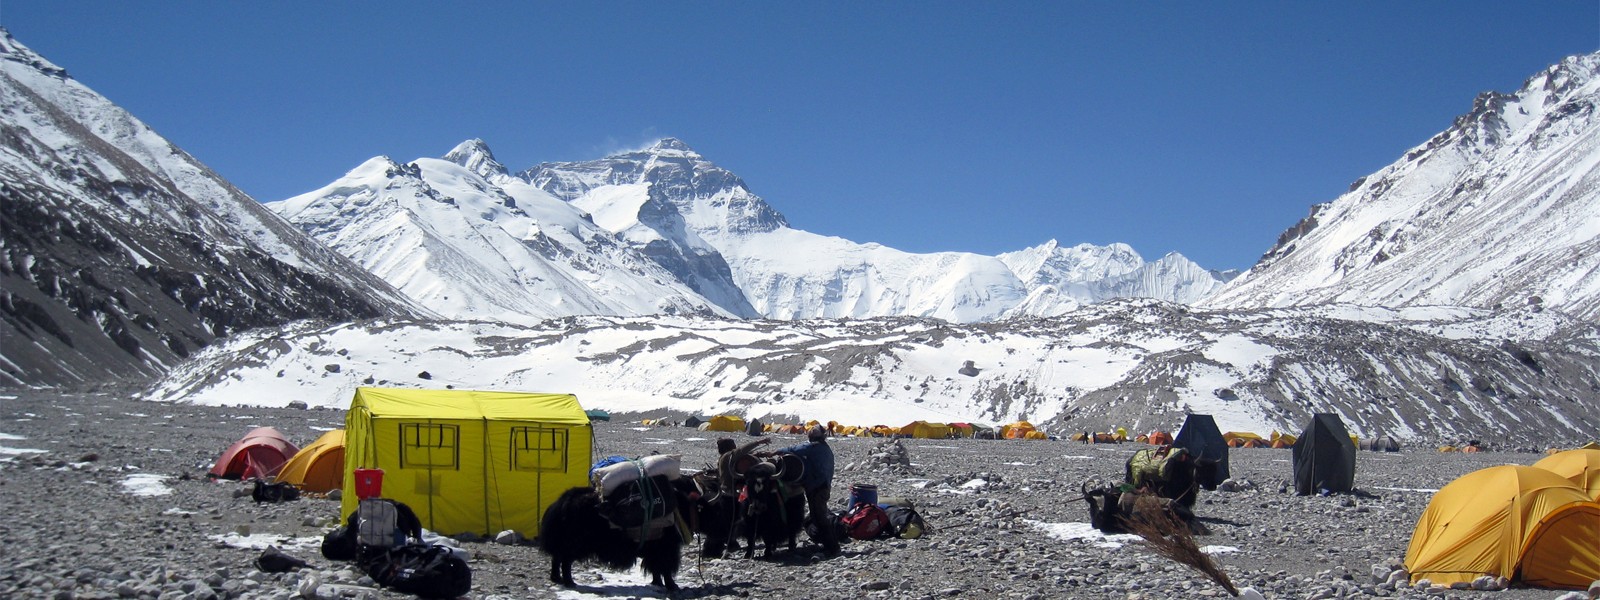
(715, 515)
(574, 529)
(1176, 488)
(767, 514)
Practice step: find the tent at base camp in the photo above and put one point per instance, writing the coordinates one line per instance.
(1200, 436)
(1324, 457)
(318, 467)
(1512, 521)
(468, 461)
(259, 453)
(1581, 467)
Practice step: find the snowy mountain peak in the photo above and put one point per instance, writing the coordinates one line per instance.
(14, 51)
(673, 146)
(474, 154)
(1499, 210)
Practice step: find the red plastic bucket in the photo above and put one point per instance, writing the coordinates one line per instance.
(369, 483)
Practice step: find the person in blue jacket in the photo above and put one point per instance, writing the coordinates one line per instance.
(817, 482)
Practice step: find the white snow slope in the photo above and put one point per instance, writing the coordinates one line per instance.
(463, 239)
(1502, 209)
(1420, 373)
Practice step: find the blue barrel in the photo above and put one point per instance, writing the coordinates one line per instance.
(863, 493)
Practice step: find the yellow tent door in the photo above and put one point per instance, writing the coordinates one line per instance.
(468, 461)
(1564, 549)
(318, 467)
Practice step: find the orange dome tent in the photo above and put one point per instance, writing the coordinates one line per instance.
(1581, 467)
(1508, 521)
(318, 467)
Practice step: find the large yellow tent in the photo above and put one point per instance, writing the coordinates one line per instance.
(468, 461)
(926, 430)
(1581, 467)
(1498, 520)
(725, 423)
(318, 467)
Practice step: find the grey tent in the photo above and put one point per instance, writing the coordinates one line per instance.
(1324, 457)
(1382, 443)
(1203, 440)
(693, 421)
(754, 427)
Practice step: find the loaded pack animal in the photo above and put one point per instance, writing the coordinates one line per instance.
(637, 522)
(1171, 476)
(771, 505)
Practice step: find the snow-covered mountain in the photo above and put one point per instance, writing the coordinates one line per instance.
(788, 273)
(1059, 279)
(1419, 373)
(120, 254)
(663, 230)
(463, 238)
(1500, 210)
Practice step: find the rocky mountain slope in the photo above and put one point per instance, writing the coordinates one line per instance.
(1430, 374)
(1500, 210)
(121, 255)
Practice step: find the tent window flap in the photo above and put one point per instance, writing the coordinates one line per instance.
(430, 446)
(539, 449)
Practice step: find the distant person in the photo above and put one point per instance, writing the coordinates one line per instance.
(818, 483)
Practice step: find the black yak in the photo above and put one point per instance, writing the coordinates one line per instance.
(767, 512)
(579, 526)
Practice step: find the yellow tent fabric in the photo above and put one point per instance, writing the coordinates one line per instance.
(1564, 549)
(725, 423)
(1243, 435)
(318, 467)
(1489, 521)
(926, 430)
(1590, 446)
(1581, 467)
(468, 461)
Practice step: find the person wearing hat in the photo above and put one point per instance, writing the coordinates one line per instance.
(817, 480)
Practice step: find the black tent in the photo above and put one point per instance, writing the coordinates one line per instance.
(1203, 440)
(1324, 457)
(693, 421)
(754, 427)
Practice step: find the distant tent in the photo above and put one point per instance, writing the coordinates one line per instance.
(1016, 431)
(318, 467)
(982, 432)
(1511, 521)
(1324, 457)
(693, 421)
(1581, 467)
(754, 427)
(1159, 438)
(926, 430)
(961, 430)
(259, 453)
(1241, 436)
(596, 414)
(725, 423)
(1203, 440)
(1382, 443)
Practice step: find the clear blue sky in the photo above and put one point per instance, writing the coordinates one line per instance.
(1205, 128)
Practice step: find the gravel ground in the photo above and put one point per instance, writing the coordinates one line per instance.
(105, 498)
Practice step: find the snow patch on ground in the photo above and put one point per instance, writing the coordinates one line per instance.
(146, 484)
(260, 541)
(1069, 532)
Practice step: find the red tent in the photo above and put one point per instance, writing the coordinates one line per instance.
(259, 453)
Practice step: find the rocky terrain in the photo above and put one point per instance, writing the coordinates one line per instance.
(105, 498)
